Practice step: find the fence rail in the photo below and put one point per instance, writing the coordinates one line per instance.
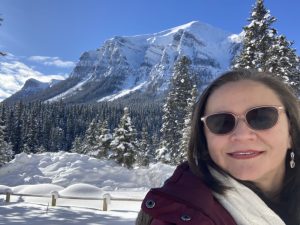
(54, 196)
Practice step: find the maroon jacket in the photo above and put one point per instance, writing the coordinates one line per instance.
(185, 199)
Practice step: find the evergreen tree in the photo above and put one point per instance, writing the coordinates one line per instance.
(17, 129)
(284, 62)
(264, 50)
(6, 152)
(104, 140)
(77, 145)
(182, 156)
(145, 153)
(90, 145)
(168, 131)
(174, 111)
(124, 145)
(56, 139)
(259, 37)
(40, 149)
(30, 136)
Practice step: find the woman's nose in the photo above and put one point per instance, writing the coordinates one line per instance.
(242, 130)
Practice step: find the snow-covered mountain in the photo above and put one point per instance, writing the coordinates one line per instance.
(31, 87)
(144, 63)
(14, 72)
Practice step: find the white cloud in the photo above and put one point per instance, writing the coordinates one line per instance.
(52, 61)
(13, 75)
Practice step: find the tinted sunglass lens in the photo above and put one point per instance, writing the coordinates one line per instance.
(221, 123)
(262, 118)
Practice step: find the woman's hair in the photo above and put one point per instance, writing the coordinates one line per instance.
(198, 156)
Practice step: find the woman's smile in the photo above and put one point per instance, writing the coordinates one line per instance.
(245, 154)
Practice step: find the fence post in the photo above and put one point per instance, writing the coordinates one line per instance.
(106, 201)
(7, 197)
(53, 202)
(54, 195)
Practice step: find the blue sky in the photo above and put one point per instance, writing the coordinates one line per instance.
(50, 35)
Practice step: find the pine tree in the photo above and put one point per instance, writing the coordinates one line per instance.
(40, 149)
(182, 156)
(104, 140)
(145, 154)
(90, 145)
(284, 62)
(124, 145)
(174, 111)
(30, 137)
(168, 132)
(17, 127)
(6, 152)
(264, 50)
(77, 145)
(56, 139)
(259, 37)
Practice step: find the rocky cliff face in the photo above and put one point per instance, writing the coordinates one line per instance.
(144, 63)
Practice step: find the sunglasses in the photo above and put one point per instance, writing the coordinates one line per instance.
(257, 118)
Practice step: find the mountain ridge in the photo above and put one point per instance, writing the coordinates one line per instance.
(124, 65)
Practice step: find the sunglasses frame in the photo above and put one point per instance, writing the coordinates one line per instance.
(243, 117)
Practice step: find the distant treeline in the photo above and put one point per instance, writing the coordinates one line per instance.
(36, 126)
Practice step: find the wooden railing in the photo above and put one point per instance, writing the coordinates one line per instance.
(54, 196)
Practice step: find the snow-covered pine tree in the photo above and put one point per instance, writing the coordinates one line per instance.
(90, 145)
(16, 127)
(168, 131)
(259, 37)
(41, 149)
(56, 137)
(6, 152)
(264, 50)
(30, 139)
(124, 144)
(104, 140)
(77, 145)
(284, 62)
(182, 156)
(174, 111)
(145, 153)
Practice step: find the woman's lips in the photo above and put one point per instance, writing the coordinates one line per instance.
(247, 154)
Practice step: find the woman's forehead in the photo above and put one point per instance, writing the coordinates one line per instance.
(241, 95)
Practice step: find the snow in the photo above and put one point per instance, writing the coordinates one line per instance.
(74, 175)
(148, 59)
(71, 91)
(215, 41)
(237, 38)
(122, 93)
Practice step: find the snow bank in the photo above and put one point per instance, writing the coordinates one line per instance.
(37, 189)
(76, 190)
(65, 169)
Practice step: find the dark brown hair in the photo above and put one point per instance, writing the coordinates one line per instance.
(198, 157)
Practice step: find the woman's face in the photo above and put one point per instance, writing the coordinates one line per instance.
(245, 153)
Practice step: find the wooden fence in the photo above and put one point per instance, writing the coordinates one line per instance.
(54, 196)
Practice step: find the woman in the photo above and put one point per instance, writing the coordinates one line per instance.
(243, 158)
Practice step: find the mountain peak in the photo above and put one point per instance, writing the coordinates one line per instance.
(33, 83)
(198, 27)
(125, 65)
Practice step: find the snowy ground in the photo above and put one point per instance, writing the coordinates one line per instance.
(73, 175)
